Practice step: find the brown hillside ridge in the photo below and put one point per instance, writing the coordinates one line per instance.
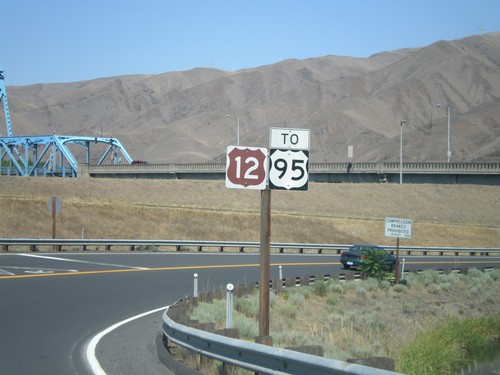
(442, 215)
(181, 117)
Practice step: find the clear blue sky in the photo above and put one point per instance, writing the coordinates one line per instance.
(45, 41)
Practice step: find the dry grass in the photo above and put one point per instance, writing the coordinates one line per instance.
(362, 319)
(443, 215)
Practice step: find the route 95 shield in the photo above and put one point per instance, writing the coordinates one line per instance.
(289, 169)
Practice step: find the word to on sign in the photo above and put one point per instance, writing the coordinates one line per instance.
(289, 139)
(400, 228)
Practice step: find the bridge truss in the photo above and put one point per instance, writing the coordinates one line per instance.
(53, 155)
(57, 155)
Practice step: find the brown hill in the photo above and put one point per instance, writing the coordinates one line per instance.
(182, 116)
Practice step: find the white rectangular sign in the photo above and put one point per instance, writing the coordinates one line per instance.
(289, 139)
(400, 228)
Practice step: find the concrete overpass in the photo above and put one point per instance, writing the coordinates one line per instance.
(417, 172)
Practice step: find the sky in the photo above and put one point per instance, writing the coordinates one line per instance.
(53, 41)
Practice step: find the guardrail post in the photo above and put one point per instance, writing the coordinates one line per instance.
(195, 287)
(229, 305)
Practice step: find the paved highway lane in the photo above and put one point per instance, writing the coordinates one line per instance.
(51, 305)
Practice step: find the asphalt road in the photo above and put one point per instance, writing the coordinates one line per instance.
(53, 305)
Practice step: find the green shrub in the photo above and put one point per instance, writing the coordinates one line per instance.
(287, 311)
(427, 277)
(361, 290)
(304, 291)
(214, 312)
(449, 349)
(434, 288)
(248, 305)
(297, 299)
(371, 284)
(384, 285)
(320, 288)
(400, 288)
(335, 286)
(247, 327)
(452, 278)
(290, 337)
(332, 300)
(495, 274)
(375, 263)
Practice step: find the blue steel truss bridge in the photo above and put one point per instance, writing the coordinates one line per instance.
(53, 155)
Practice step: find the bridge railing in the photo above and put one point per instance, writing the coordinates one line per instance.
(362, 167)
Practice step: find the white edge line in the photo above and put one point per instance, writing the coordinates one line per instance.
(5, 273)
(81, 261)
(90, 352)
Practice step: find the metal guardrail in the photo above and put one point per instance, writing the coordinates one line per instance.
(186, 245)
(259, 358)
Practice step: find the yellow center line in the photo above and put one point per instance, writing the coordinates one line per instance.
(172, 268)
(177, 268)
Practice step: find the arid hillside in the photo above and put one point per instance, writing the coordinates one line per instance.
(182, 116)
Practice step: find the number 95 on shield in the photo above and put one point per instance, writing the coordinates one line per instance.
(288, 169)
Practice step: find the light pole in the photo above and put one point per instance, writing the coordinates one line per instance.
(401, 122)
(237, 130)
(448, 154)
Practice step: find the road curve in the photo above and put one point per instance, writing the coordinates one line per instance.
(53, 305)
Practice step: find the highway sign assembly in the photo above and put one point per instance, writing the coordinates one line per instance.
(398, 228)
